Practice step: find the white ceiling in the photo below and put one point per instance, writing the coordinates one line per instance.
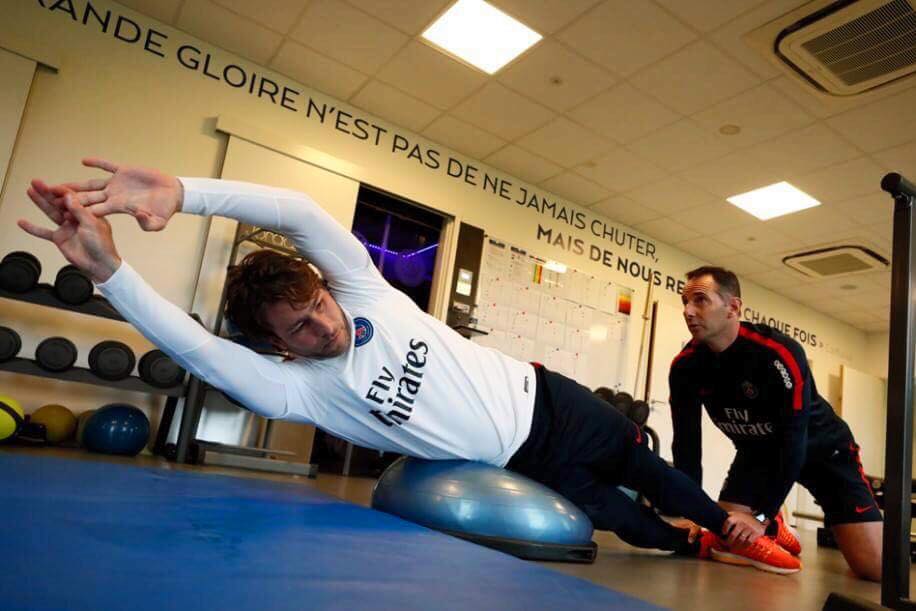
(631, 130)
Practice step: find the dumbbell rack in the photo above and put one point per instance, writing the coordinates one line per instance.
(43, 295)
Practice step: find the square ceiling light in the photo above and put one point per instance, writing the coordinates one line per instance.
(480, 34)
(775, 200)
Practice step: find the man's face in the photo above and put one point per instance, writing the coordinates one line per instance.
(707, 313)
(317, 329)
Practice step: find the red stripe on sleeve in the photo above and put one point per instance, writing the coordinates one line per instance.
(687, 351)
(786, 356)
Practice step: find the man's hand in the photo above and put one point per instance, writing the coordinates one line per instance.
(84, 240)
(741, 528)
(692, 527)
(148, 195)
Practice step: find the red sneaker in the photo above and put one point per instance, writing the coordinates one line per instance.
(708, 541)
(763, 554)
(785, 538)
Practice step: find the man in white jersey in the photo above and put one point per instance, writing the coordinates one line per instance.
(368, 365)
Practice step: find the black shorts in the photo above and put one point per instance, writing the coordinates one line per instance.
(835, 479)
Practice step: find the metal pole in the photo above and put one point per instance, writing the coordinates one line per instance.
(895, 578)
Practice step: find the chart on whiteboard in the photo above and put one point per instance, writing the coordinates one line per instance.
(535, 310)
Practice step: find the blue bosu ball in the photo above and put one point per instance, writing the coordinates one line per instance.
(117, 428)
(487, 505)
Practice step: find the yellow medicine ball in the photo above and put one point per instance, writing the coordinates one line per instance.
(58, 420)
(11, 417)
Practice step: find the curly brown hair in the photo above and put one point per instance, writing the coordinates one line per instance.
(262, 278)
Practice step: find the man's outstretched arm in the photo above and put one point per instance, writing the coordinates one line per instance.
(315, 234)
(153, 197)
(86, 242)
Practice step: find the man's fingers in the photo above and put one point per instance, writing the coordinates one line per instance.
(102, 164)
(102, 209)
(39, 232)
(93, 184)
(53, 212)
(79, 213)
(90, 197)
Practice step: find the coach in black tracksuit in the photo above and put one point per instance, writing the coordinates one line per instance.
(757, 388)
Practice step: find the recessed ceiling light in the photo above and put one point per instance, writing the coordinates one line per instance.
(480, 34)
(774, 200)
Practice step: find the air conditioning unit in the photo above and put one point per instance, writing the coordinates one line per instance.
(845, 47)
(833, 261)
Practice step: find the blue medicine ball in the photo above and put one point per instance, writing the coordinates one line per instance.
(117, 428)
(487, 505)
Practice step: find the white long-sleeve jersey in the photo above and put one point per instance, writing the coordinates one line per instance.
(407, 383)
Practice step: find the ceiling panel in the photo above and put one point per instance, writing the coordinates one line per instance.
(681, 145)
(228, 30)
(544, 16)
(625, 210)
(623, 114)
(408, 16)
(805, 150)
(708, 249)
(463, 137)
(883, 124)
(625, 36)
(843, 181)
(348, 35)
(527, 166)
(395, 106)
(709, 14)
(713, 218)
(762, 113)
(671, 195)
(667, 230)
(620, 170)
(575, 188)
(673, 80)
(555, 76)
(278, 15)
(165, 11)
(323, 73)
(428, 75)
(501, 111)
(565, 143)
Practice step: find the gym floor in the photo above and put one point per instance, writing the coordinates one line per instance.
(668, 582)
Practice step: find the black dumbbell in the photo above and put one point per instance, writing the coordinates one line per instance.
(605, 393)
(639, 412)
(10, 343)
(72, 286)
(111, 360)
(157, 369)
(19, 272)
(56, 354)
(623, 401)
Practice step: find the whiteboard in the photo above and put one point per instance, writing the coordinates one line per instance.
(570, 321)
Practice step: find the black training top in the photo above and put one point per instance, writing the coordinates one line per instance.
(759, 392)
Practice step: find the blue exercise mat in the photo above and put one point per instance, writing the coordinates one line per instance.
(81, 535)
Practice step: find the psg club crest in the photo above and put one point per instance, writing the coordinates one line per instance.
(749, 390)
(363, 331)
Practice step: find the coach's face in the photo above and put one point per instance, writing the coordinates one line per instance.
(709, 314)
